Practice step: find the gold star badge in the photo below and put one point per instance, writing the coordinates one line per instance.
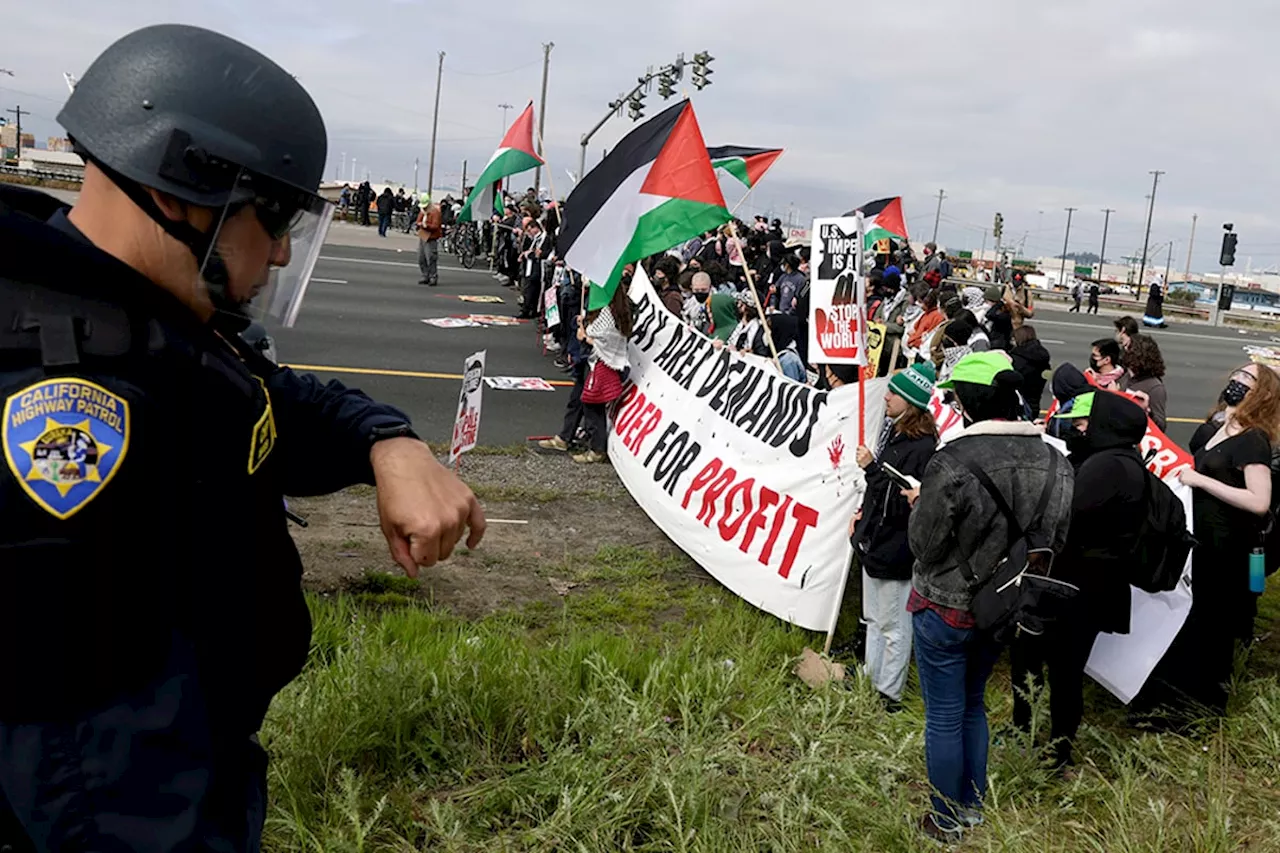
(64, 486)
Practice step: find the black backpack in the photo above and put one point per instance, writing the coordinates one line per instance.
(1163, 542)
(1019, 596)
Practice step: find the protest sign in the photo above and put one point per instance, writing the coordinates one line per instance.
(750, 473)
(837, 327)
(518, 383)
(1122, 663)
(466, 426)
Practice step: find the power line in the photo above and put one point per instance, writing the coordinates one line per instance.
(493, 73)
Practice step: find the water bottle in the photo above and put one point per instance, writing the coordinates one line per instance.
(1257, 570)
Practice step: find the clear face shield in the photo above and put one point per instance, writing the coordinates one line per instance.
(264, 251)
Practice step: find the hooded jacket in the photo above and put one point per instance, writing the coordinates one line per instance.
(880, 536)
(1031, 360)
(955, 520)
(1107, 509)
(724, 315)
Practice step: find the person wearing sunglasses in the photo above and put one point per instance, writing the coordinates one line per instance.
(150, 605)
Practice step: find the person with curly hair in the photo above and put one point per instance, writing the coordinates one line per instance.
(1232, 495)
(1144, 377)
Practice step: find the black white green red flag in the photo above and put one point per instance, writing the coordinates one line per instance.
(882, 220)
(515, 154)
(748, 165)
(654, 190)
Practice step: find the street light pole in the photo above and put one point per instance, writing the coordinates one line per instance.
(1062, 273)
(1191, 245)
(1102, 258)
(1146, 240)
(938, 215)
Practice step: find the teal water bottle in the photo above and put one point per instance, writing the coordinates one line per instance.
(1257, 570)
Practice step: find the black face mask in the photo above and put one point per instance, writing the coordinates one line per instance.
(1077, 443)
(1234, 393)
(1093, 364)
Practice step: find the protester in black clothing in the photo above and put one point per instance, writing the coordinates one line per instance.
(998, 320)
(1107, 510)
(1093, 298)
(531, 271)
(1232, 494)
(386, 206)
(1031, 360)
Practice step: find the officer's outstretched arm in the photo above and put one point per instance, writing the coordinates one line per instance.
(325, 432)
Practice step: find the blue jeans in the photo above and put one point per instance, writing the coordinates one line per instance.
(384, 222)
(954, 666)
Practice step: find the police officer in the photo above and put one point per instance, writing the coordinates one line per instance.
(149, 589)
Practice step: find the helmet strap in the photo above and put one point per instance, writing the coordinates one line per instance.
(213, 269)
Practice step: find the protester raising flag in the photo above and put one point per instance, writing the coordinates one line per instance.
(882, 219)
(655, 189)
(748, 165)
(514, 155)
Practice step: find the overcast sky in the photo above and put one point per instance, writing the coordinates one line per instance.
(1007, 105)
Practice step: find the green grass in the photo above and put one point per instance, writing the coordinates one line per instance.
(652, 714)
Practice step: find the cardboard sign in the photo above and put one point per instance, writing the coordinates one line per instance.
(837, 321)
(466, 425)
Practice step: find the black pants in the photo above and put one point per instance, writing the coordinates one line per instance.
(597, 420)
(532, 289)
(1093, 305)
(573, 412)
(1064, 651)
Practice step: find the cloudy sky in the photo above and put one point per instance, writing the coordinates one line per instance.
(1025, 108)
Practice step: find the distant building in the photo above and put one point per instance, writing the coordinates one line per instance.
(60, 162)
(9, 137)
(59, 143)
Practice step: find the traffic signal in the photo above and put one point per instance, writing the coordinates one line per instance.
(666, 86)
(636, 104)
(702, 69)
(1228, 249)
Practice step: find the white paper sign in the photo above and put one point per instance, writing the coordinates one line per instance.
(750, 473)
(466, 426)
(837, 296)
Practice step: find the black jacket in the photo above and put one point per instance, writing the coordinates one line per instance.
(880, 538)
(185, 543)
(999, 327)
(386, 204)
(1031, 360)
(1107, 508)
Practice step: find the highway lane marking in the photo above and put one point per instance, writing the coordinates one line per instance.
(415, 374)
(1228, 339)
(330, 280)
(403, 374)
(485, 271)
(1048, 341)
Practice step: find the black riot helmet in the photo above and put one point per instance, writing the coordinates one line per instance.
(213, 123)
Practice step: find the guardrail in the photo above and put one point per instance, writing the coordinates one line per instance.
(69, 175)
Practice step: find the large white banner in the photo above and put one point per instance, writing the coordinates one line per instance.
(837, 295)
(750, 473)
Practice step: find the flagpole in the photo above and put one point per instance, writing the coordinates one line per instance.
(742, 201)
(755, 296)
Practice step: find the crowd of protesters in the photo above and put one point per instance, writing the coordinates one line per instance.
(936, 521)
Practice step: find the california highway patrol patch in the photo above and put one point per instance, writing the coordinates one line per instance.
(64, 439)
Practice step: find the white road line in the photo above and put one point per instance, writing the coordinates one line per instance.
(1042, 340)
(1231, 338)
(330, 280)
(485, 271)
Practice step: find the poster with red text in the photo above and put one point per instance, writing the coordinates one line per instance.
(466, 426)
(837, 294)
(748, 472)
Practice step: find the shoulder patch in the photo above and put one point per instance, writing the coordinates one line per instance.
(64, 440)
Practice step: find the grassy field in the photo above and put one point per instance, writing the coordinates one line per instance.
(657, 712)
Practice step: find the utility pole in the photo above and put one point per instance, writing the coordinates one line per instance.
(982, 256)
(1146, 240)
(504, 107)
(937, 216)
(1062, 280)
(353, 168)
(464, 179)
(342, 170)
(542, 110)
(1191, 244)
(1102, 258)
(19, 112)
(415, 177)
(435, 123)
(1168, 263)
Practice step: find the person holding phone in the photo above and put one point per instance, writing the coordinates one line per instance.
(905, 444)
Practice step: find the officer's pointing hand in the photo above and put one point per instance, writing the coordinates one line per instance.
(425, 510)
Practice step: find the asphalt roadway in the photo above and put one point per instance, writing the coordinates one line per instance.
(362, 324)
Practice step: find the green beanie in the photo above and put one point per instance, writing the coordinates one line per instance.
(915, 384)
